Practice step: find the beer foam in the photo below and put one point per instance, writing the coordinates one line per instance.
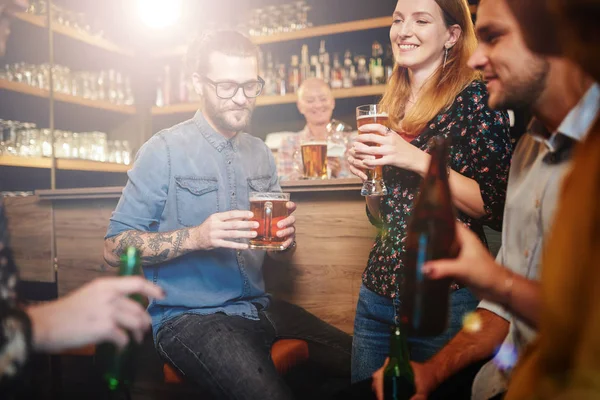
(323, 143)
(372, 116)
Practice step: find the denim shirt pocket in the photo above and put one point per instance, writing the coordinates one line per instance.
(197, 199)
(259, 183)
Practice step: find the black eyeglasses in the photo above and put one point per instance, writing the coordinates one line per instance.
(228, 89)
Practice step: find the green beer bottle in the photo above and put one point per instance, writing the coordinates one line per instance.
(398, 375)
(117, 366)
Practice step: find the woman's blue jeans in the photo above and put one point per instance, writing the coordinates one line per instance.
(374, 316)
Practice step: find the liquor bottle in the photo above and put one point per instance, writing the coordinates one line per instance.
(304, 64)
(431, 236)
(182, 87)
(349, 70)
(398, 375)
(166, 82)
(326, 68)
(294, 75)
(118, 365)
(324, 62)
(315, 68)
(281, 80)
(388, 63)
(376, 64)
(337, 73)
(270, 78)
(363, 77)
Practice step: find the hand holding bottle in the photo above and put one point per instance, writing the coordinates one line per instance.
(98, 312)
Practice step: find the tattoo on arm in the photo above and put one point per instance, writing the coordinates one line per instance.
(128, 239)
(156, 259)
(154, 247)
(181, 236)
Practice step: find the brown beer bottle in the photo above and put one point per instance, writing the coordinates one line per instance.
(431, 236)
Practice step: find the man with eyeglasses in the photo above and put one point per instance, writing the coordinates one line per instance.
(185, 207)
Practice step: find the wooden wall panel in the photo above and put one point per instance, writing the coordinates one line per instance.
(80, 229)
(29, 225)
(334, 239)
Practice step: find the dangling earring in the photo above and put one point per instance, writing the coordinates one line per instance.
(445, 57)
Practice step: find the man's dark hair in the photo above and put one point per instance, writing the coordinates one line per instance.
(228, 42)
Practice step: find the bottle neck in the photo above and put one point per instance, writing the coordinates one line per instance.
(399, 346)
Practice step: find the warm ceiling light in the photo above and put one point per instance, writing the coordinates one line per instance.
(160, 13)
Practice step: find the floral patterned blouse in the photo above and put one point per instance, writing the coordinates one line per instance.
(480, 149)
(15, 327)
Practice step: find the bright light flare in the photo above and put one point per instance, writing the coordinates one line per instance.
(472, 322)
(160, 14)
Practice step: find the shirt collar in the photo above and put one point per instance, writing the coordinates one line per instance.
(218, 141)
(576, 124)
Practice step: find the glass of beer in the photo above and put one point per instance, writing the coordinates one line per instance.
(268, 209)
(372, 114)
(314, 159)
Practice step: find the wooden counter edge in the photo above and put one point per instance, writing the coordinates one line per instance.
(114, 192)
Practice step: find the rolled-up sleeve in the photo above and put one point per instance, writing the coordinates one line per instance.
(493, 307)
(145, 194)
(489, 154)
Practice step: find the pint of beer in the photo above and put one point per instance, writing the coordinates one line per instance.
(314, 160)
(268, 209)
(372, 114)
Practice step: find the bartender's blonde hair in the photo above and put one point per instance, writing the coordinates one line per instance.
(443, 86)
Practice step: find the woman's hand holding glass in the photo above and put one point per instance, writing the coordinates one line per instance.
(386, 147)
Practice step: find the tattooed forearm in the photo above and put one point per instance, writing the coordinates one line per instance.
(155, 242)
(180, 238)
(156, 259)
(154, 247)
(128, 239)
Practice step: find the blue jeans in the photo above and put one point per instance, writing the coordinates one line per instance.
(374, 316)
(229, 356)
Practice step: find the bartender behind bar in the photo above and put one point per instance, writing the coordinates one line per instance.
(316, 104)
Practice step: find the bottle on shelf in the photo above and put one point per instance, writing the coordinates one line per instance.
(376, 65)
(349, 71)
(398, 375)
(431, 236)
(182, 86)
(304, 64)
(281, 80)
(388, 63)
(326, 68)
(337, 73)
(315, 67)
(324, 62)
(294, 78)
(363, 77)
(270, 88)
(166, 85)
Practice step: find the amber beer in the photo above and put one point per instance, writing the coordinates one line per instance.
(431, 236)
(314, 160)
(372, 114)
(268, 210)
(377, 173)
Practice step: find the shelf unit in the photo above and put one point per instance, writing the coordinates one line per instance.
(40, 21)
(63, 164)
(315, 31)
(97, 42)
(262, 101)
(24, 88)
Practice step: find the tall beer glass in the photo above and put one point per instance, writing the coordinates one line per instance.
(314, 159)
(268, 209)
(372, 114)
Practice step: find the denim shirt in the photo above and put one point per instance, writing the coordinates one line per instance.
(180, 177)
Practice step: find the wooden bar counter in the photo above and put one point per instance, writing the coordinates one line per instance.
(333, 234)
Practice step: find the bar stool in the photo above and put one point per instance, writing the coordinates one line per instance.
(285, 353)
